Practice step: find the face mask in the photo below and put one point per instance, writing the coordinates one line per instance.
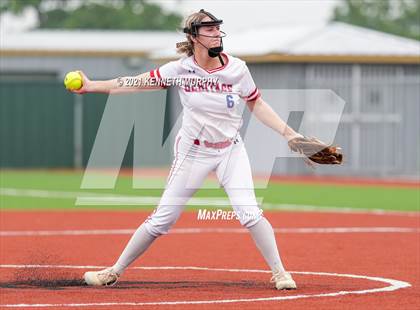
(193, 30)
(215, 51)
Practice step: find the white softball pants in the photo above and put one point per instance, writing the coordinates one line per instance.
(190, 167)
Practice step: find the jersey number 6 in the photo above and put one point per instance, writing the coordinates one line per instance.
(229, 101)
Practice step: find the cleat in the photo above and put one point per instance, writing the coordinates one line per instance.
(106, 277)
(283, 281)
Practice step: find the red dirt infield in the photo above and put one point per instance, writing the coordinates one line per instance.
(388, 254)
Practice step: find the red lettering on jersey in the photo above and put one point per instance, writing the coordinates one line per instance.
(200, 85)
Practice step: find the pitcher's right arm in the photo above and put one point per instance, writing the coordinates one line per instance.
(121, 85)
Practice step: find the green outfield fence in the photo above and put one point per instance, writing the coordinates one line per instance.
(41, 124)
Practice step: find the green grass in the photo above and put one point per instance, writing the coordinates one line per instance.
(363, 197)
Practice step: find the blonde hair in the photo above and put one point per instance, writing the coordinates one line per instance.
(187, 47)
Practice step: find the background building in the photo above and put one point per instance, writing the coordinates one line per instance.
(377, 74)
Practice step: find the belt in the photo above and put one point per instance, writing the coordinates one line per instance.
(216, 145)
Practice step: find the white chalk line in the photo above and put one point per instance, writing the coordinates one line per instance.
(302, 230)
(393, 285)
(334, 209)
(106, 199)
(92, 198)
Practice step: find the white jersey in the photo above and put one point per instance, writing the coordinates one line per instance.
(212, 111)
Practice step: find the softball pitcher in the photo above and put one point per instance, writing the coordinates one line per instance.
(208, 141)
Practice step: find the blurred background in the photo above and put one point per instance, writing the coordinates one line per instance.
(367, 52)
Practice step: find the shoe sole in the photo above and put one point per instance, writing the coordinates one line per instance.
(88, 280)
(287, 287)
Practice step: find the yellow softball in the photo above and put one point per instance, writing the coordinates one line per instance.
(73, 81)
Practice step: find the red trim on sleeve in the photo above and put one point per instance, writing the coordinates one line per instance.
(253, 96)
(258, 95)
(158, 77)
(160, 80)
